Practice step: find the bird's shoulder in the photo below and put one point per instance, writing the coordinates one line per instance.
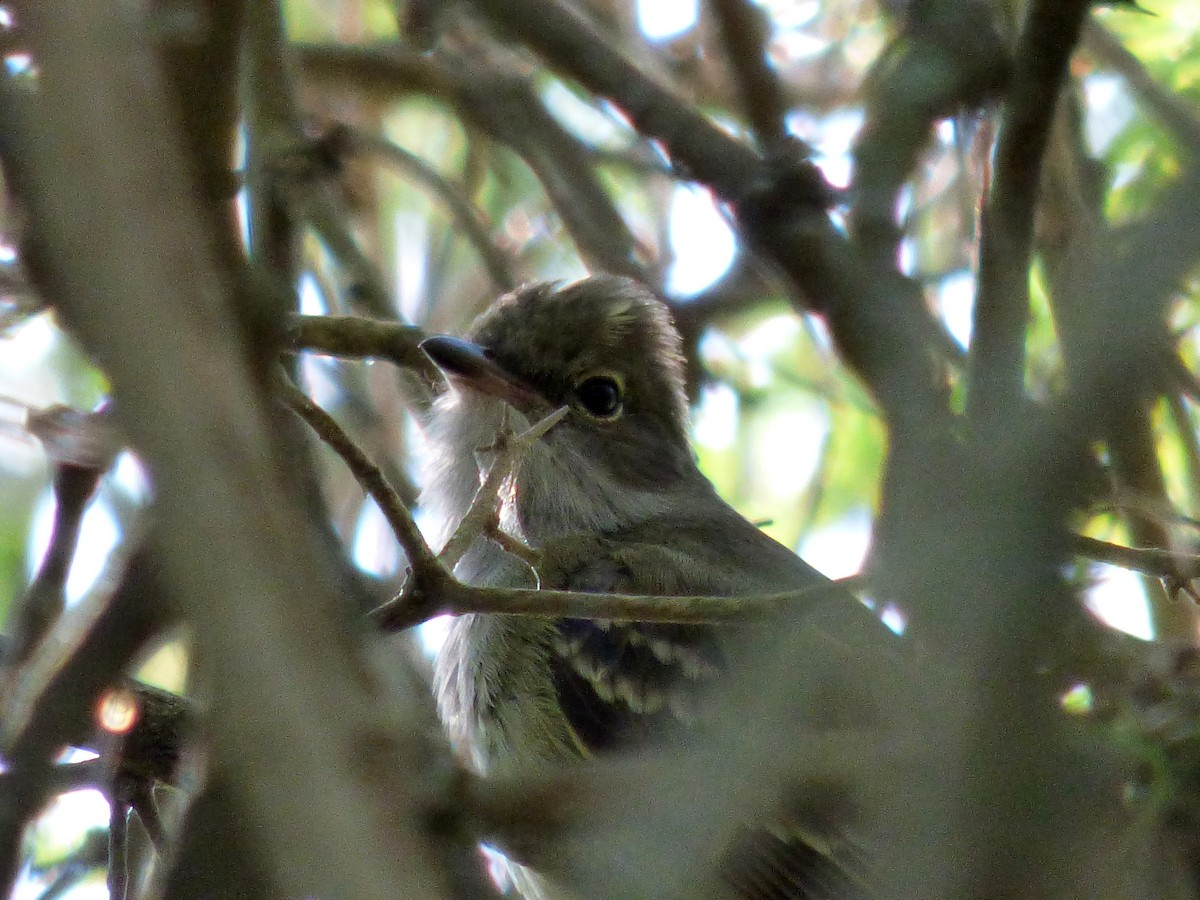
(621, 683)
(709, 551)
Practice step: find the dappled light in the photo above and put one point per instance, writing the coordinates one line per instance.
(788, 410)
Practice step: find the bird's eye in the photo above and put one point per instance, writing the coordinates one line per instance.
(600, 395)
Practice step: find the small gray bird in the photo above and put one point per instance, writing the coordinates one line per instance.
(619, 473)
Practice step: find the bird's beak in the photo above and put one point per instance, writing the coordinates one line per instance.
(466, 364)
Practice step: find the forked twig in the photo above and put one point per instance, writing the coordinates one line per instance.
(483, 516)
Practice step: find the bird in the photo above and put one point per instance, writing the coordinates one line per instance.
(614, 499)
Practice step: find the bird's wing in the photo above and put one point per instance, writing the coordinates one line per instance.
(627, 682)
(624, 684)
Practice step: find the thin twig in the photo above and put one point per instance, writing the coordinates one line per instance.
(482, 518)
(143, 803)
(369, 475)
(118, 848)
(45, 599)
(1147, 560)
(1186, 429)
(505, 104)
(465, 213)
(457, 598)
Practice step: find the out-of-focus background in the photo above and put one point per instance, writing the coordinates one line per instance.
(449, 207)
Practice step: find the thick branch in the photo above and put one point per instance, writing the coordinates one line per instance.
(114, 231)
(997, 365)
(353, 337)
(781, 206)
(746, 33)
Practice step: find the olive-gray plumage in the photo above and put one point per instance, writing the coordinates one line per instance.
(613, 498)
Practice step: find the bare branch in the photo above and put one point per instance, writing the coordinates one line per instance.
(313, 689)
(462, 210)
(483, 516)
(370, 476)
(746, 32)
(45, 598)
(354, 337)
(118, 848)
(997, 366)
(1148, 560)
(1179, 116)
(457, 598)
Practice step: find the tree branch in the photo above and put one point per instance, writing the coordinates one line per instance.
(114, 230)
(354, 337)
(468, 217)
(781, 206)
(424, 562)
(1176, 114)
(746, 33)
(997, 363)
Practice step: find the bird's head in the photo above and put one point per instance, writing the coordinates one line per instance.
(605, 349)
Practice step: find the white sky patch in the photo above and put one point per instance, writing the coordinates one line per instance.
(1109, 110)
(791, 13)
(432, 634)
(956, 304)
(317, 378)
(797, 45)
(840, 549)
(894, 618)
(1184, 15)
(788, 447)
(907, 258)
(719, 352)
(715, 421)
(374, 547)
(26, 345)
(18, 63)
(836, 169)
(1118, 599)
(769, 338)
(702, 243)
(98, 535)
(311, 301)
(585, 120)
(241, 206)
(831, 138)
(659, 20)
(75, 813)
(412, 252)
(131, 477)
(24, 385)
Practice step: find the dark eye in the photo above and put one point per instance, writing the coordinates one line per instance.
(600, 395)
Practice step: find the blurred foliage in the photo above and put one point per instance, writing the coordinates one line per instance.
(785, 432)
(791, 438)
